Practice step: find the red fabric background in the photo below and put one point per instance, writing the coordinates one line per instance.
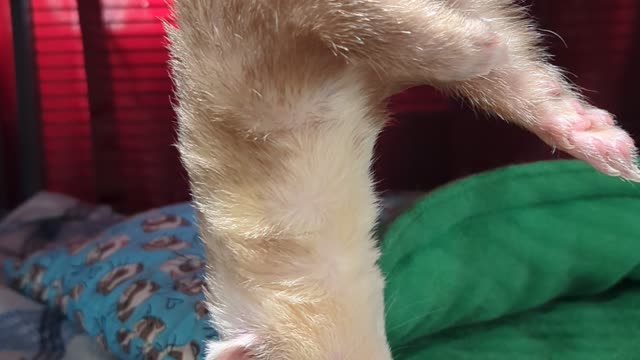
(432, 141)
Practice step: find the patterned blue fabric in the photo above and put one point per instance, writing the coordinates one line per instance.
(137, 288)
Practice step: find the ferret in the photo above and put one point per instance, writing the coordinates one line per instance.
(104, 250)
(133, 296)
(182, 266)
(279, 104)
(190, 286)
(117, 276)
(189, 351)
(165, 243)
(163, 222)
(146, 329)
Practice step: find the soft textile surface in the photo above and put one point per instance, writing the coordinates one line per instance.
(137, 288)
(518, 263)
(50, 219)
(29, 330)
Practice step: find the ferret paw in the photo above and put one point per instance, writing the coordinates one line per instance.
(591, 135)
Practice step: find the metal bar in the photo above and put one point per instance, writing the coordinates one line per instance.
(101, 104)
(28, 102)
(4, 196)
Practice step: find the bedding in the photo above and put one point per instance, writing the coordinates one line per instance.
(32, 331)
(538, 261)
(29, 330)
(137, 288)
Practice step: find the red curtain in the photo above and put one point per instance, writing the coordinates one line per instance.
(108, 129)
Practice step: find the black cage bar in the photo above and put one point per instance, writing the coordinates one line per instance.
(29, 152)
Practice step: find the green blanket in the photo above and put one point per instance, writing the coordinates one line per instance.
(539, 261)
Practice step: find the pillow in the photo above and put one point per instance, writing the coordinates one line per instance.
(136, 287)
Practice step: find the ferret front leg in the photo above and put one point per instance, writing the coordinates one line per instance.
(408, 42)
(534, 94)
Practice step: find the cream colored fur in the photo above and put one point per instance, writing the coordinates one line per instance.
(279, 106)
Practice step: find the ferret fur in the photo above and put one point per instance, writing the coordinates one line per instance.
(279, 106)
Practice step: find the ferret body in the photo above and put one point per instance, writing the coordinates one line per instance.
(279, 106)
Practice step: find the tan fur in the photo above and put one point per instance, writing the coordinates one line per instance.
(513, 91)
(279, 106)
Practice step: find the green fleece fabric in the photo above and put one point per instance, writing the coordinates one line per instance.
(538, 261)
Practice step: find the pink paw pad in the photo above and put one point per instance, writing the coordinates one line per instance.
(591, 135)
